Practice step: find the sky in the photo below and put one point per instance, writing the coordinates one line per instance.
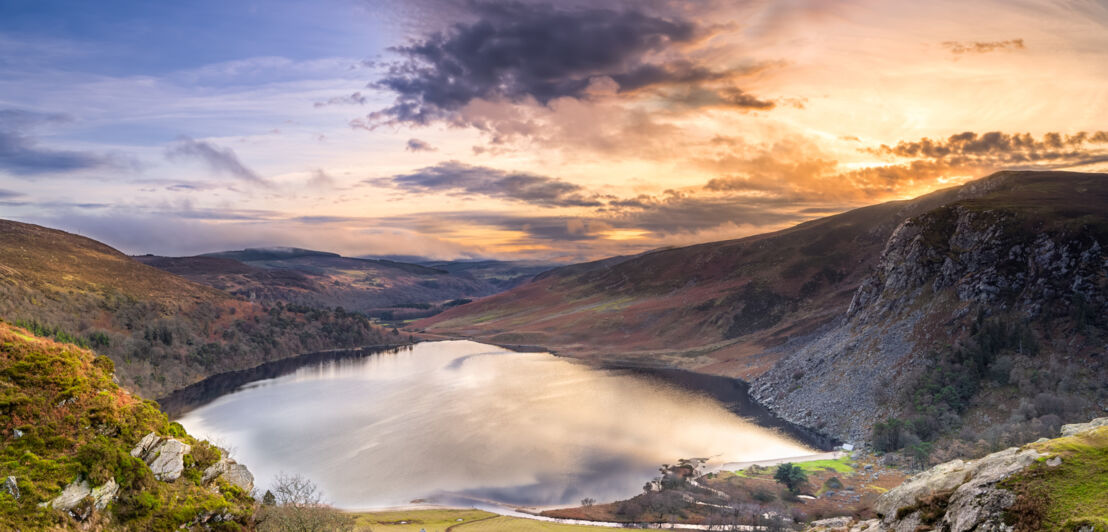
(562, 131)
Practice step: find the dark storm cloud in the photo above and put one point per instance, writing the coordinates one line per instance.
(960, 47)
(453, 177)
(354, 99)
(516, 51)
(219, 160)
(22, 155)
(419, 145)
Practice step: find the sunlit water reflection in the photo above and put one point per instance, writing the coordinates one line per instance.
(450, 419)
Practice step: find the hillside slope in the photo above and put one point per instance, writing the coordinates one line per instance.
(984, 316)
(721, 307)
(1004, 275)
(377, 287)
(162, 331)
(68, 433)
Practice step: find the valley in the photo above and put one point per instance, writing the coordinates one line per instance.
(921, 333)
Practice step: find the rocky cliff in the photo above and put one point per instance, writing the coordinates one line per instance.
(966, 300)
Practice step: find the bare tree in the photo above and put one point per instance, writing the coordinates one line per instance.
(299, 507)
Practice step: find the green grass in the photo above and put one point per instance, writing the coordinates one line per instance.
(1074, 492)
(434, 520)
(840, 465)
(439, 520)
(517, 524)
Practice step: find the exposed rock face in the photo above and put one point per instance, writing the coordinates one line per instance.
(165, 456)
(1076, 428)
(973, 502)
(105, 494)
(73, 494)
(955, 496)
(12, 487)
(936, 271)
(232, 472)
(80, 499)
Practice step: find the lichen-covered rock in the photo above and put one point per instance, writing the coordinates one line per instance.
(169, 463)
(12, 487)
(231, 472)
(1076, 428)
(145, 444)
(830, 525)
(78, 491)
(164, 456)
(104, 495)
(71, 496)
(965, 493)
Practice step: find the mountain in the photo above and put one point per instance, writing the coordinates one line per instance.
(381, 288)
(162, 331)
(79, 452)
(978, 308)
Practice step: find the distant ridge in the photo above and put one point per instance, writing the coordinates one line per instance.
(271, 253)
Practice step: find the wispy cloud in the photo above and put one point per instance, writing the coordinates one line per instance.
(453, 177)
(977, 47)
(353, 99)
(20, 154)
(419, 145)
(219, 160)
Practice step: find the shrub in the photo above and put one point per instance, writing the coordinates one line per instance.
(792, 476)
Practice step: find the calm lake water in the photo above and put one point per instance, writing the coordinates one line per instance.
(459, 422)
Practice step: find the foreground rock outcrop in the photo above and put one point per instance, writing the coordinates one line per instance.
(77, 452)
(164, 456)
(1049, 484)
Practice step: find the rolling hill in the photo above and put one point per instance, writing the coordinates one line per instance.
(996, 281)
(382, 288)
(162, 331)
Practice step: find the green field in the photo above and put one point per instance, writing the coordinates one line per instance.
(842, 465)
(441, 520)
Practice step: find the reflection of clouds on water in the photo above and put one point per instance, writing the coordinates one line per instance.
(456, 364)
(521, 428)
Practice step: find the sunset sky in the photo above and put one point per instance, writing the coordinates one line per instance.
(564, 131)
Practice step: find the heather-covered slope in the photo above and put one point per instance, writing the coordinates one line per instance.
(162, 331)
(67, 433)
(722, 307)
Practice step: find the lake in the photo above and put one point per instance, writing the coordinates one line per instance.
(460, 422)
